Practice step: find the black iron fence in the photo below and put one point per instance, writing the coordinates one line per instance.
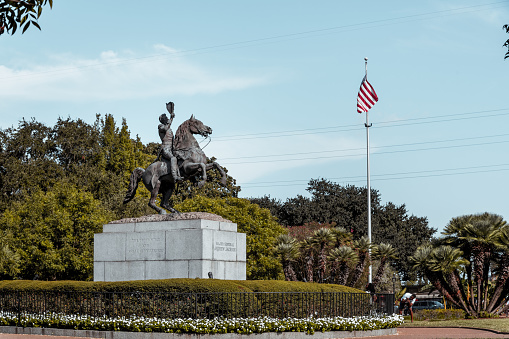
(196, 305)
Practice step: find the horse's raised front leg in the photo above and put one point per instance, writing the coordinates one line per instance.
(220, 169)
(192, 167)
(153, 197)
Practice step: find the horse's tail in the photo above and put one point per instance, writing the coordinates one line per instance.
(133, 184)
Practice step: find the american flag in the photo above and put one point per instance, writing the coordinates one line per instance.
(366, 97)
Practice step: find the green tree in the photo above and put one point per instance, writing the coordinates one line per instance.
(362, 247)
(259, 225)
(322, 239)
(342, 236)
(476, 245)
(422, 261)
(27, 156)
(308, 249)
(9, 259)
(330, 202)
(97, 158)
(272, 204)
(448, 261)
(77, 143)
(342, 259)
(54, 232)
(482, 234)
(36, 160)
(346, 207)
(477, 236)
(20, 13)
(297, 211)
(501, 289)
(383, 252)
(288, 250)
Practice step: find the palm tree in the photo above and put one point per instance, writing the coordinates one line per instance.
(342, 258)
(482, 234)
(288, 253)
(382, 252)
(322, 238)
(362, 247)
(498, 297)
(480, 238)
(447, 260)
(422, 261)
(342, 235)
(454, 234)
(288, 249)
(285, 239)
(308, 247)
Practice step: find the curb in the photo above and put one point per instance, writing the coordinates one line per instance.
(158, 335)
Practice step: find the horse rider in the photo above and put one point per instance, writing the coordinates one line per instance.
(166, 135)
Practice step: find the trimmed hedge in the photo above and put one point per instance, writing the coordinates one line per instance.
(294, 286)
(183, 298)
(174, 285)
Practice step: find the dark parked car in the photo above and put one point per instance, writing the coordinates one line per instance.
(427, 305)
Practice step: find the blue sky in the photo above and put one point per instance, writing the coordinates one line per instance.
(277, 81)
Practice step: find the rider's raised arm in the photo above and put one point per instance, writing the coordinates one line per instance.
(170, 107)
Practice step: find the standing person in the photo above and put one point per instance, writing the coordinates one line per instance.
(407, 299)
(370, 288)
(166, 135)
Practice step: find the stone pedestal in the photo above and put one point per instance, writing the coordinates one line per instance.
(164, 247)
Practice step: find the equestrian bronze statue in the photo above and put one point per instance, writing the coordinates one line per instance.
(183, 151)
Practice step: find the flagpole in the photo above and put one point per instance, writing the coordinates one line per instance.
(368, 125)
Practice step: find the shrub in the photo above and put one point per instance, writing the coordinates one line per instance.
(448, 314)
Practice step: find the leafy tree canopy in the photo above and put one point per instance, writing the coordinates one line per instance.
(259, 225)
(346, 207)
(22, 14)
(53, 233)
(43, 166)
(469, 265)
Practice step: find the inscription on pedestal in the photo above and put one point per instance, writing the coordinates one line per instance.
(225, 246)
(145, 246)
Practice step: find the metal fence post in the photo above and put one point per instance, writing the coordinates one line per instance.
(18, 297)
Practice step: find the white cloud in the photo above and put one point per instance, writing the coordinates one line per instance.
(115, 76)
(109, 55)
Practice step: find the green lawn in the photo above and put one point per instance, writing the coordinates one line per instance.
(497, 324)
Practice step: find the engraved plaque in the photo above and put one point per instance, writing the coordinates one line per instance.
(145, 246)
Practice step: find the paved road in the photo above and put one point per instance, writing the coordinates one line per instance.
(440, 332)
(403, 333)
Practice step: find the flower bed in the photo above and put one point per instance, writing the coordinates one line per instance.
(202, 326)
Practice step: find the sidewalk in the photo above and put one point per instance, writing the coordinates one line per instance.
(439, 332)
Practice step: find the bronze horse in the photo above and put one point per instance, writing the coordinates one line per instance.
(192, 163)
